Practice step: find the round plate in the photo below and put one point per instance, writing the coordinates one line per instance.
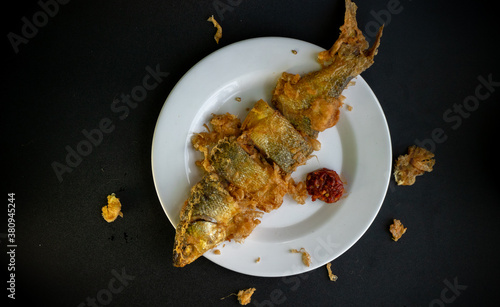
(358, 148)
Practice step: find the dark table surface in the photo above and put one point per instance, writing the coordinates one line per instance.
(437, 77)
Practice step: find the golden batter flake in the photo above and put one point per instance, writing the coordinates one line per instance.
(218, 34)
(240, 182)
(245, 296)
(113, 209)
(330, 274)
(415, 163)
(397, 230)
(306, 258)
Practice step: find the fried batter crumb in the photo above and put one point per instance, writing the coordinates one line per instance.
(306, 258)
(113, 209)
(245, 296)
(415, 163)
(330, 274)
(348, 107)
(294, 51)
(217, 251)
(238, 99)
(257, 260)
(298, 191)
(218, 34)
(397, 230)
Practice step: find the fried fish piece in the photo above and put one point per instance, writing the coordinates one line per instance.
(244, 296)
(255, 178)
(232, 162)
(221, 126)
(311, 102)
(210, 216)
(276, 138)
(228, 202)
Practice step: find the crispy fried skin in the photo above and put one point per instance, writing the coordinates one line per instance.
(256, 179)
(311, 102)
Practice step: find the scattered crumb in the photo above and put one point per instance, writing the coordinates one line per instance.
(298, 191)
(306, 258)
(415, 163)
(348, 107)
(294, 51)
(217, 251)
(397, 229)
(113, 209)
(238, 99)
(257, 260)
(245, 296)
(330, 274)
(218, 34)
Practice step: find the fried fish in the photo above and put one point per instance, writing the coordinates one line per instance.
(248, 166)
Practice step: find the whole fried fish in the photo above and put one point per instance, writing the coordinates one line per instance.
(275, 137)
(249, 165)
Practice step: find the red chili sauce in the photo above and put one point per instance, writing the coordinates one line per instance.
(324, 184)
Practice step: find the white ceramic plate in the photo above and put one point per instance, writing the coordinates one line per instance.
(358, 148)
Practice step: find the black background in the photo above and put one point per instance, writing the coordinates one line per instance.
(65, 78)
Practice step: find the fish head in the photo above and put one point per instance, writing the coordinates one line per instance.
(200, 237)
